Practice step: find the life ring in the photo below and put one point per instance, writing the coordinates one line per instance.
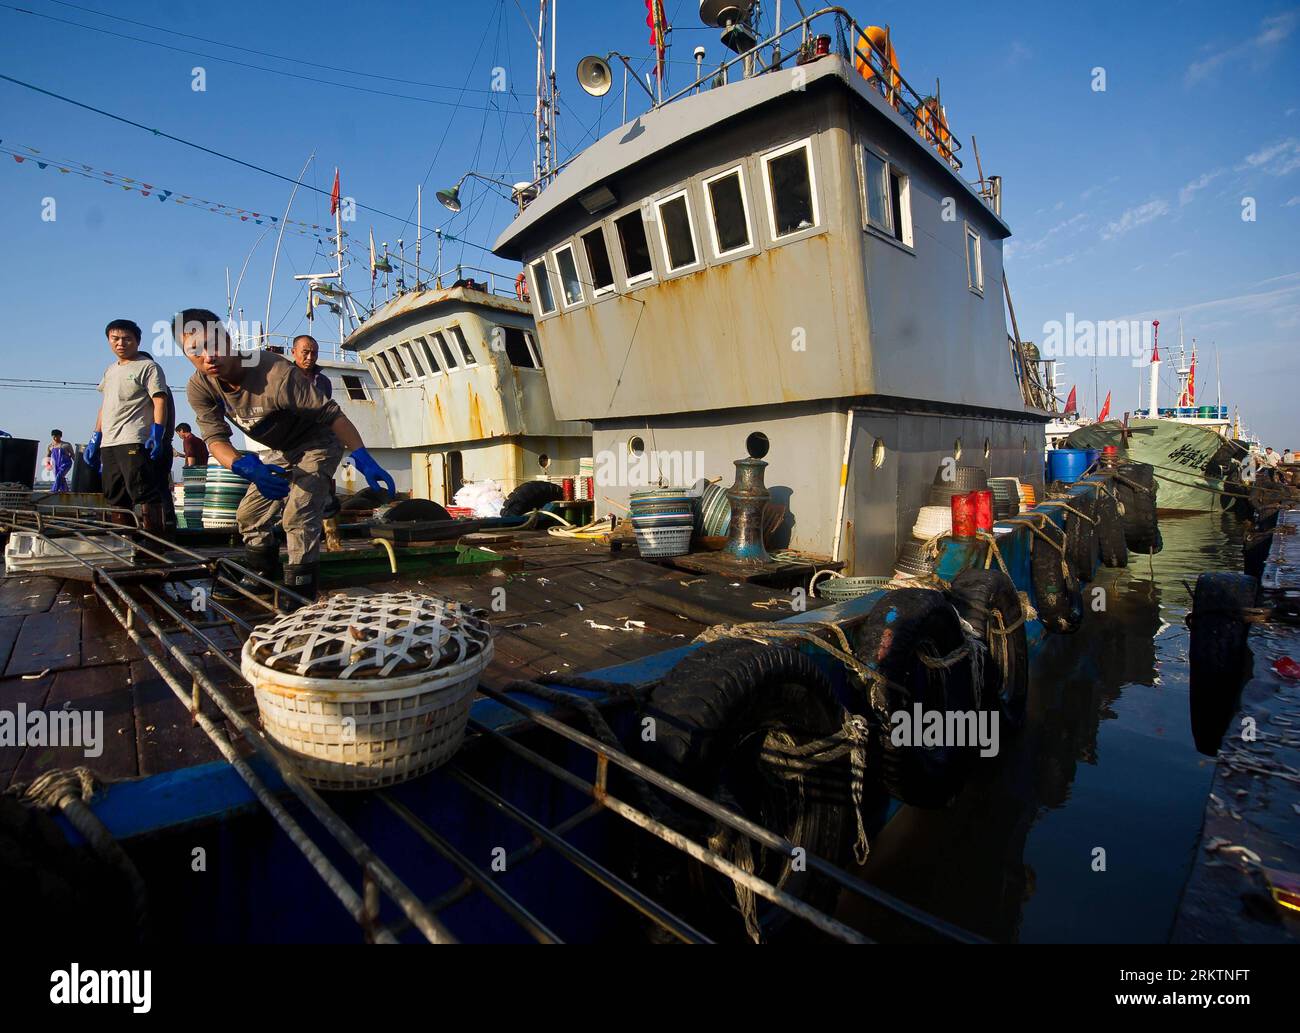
(521, 287)
(932, 125)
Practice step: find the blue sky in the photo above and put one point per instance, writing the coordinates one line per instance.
(1125, 203)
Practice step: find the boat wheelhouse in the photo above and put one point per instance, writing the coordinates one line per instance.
(795, 255)
(454, 390)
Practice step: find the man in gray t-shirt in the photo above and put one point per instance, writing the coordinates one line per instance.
(132, 440)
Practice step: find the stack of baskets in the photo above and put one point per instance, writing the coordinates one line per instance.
(931, 522)
(663, 521)
(913, 561)
(714, 512)
(1006, 496)
(193, 484)
(965, 479)
(223, 491)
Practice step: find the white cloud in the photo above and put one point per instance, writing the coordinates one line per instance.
(1135, 217)
(1031, 247)
(1187, 193)
(1272, 31)
(1276, 159)
(1293, 202)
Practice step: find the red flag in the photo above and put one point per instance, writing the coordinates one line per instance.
(334, 194)
(1105, 410)
(658, 23)
(1191, 382)
(1071, 405)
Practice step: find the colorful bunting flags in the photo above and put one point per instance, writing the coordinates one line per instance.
(129, 184)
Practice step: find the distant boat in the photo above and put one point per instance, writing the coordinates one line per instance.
(1195, 465)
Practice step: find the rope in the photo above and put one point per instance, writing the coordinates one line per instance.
(1061, 504)
(69, 791)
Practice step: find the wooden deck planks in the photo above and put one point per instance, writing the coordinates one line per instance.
(104, 693)
(166, 738)
(21, 596)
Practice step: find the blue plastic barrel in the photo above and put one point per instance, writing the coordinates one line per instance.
(1066, 464)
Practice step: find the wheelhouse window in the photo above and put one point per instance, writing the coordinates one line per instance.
(791, 189)
(379, 372)
(974, 261)
(521, 349)
(404, 373)
(457, 338)
(413, 355)
(635, 247)
(602, 270)
(429, 357)
(356, 388)
(542, 287)
(444, 349)
(678, 231)
(888, 197)
(388, 377)
(729, 227)
(566, 264)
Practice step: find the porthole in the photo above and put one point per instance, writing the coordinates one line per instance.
(878, 454)
(544, 461)
(956, 450)
(636, 446)
(1024, 443)
(757, 445)
(988, 448)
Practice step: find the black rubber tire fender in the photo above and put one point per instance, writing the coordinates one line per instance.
(1081, 535)
(977, 594)
(1218, 654)
(1110, 530)
(1141, 525)
(722, 716)
(1057, 595)
(904, 622)
(529, 496)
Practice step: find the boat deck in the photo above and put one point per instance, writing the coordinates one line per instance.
(570, 607)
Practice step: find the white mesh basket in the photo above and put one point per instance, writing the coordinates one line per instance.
(661, 542)
(932, 520)
(368, 691)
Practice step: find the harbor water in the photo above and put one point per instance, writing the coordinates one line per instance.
(1085, 828)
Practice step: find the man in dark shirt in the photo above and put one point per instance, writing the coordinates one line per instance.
(305, 353)
(193, 450)
(274, 404)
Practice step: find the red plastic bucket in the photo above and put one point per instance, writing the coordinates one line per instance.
(982, 503)
(963, 516)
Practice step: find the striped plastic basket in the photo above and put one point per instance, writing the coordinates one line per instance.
(223, 491)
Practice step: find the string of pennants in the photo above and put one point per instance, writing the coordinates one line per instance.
(318, 231)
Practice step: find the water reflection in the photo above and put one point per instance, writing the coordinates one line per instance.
(1105, 773)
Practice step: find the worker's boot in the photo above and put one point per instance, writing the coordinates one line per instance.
(300, 578)
(264, 561)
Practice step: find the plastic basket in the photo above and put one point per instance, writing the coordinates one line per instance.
(390, 699)
(662, 542)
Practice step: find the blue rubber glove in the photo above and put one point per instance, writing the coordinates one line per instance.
(374, 474)
(271, 481)
(91, 452)
(153, 443)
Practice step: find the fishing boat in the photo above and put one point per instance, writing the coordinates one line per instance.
(1193, 449)
(783, 258)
